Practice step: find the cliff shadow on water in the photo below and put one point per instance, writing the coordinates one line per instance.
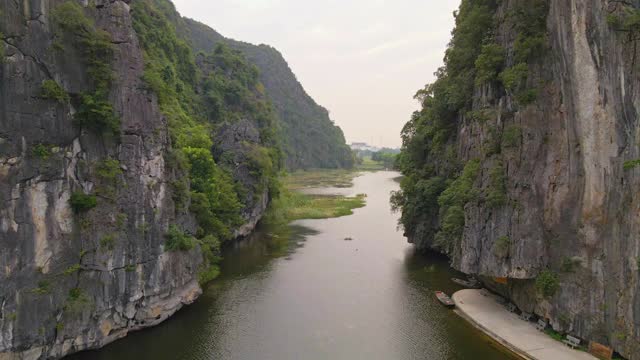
(189, 333)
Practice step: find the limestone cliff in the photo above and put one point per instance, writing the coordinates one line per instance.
(548, 141)
(89, 189)
(311, 139)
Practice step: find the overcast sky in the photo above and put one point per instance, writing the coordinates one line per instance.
(361, 59)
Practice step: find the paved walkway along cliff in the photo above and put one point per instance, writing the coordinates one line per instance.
(505, 327)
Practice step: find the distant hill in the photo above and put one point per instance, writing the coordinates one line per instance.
(311, 139)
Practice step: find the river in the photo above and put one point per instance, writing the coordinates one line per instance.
(304, 292)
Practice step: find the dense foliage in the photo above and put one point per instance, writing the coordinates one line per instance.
(96, 113)
(200, 94)
(41, 151)
(625, 19)
(81, 202)
(438, 184)
(497, 190)
(107, 173)
(489, 63)
(434, 184)
(178, 240)
(214, 200)
(311, 139)
(231, 92)
(529, 20)
(74, 28)
(452, 201)
(547, 283)
(631, 164)
(52, 90)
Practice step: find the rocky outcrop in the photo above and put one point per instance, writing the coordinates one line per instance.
(571, 213)
(234, 145)
(74, 280)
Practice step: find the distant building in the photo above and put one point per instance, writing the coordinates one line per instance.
(361, 146)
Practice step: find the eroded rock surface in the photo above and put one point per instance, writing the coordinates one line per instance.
(69, 281)
(572, 206)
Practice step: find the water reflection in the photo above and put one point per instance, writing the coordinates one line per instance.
(303, 292)
(257, 252)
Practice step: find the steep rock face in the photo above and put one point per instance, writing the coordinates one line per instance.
(312, 140)
(233, 144)
(571, 209)
(74, 280)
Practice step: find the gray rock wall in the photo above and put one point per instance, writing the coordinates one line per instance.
(69, 281)
(570, 199)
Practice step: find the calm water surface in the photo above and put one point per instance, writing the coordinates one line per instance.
(304, 292)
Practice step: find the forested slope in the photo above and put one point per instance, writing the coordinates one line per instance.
(126, 159)
(311, 139)
(522, 163)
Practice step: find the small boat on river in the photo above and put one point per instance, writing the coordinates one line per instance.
(445, 299)
(471, 284)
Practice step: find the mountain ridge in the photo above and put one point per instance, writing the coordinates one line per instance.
(313, 139)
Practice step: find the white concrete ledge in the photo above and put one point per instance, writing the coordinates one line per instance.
(519, 336)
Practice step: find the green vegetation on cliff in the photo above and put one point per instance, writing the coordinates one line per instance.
(311, 139)
(178, 240)
(631, 164)
(529, 20)
(200, 95)
(214, 200)
(626, 18)
(436, 187)
(497, 190)
(75, 28)
(489, 63)
(428, 164)
(452, 201)
(292, 204)
(52, 90)
(547, 283)
(81, 202)
(41, 151)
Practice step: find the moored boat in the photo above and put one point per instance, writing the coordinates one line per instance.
(444, 299)
(471, 284)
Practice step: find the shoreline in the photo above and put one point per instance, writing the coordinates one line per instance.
(517, 336)
(504, 345)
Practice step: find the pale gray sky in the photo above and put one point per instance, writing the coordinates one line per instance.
(361, 59)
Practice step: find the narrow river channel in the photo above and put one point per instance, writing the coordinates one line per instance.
(304, 292)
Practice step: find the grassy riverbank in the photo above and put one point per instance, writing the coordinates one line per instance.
(295, 205)
(317, 178)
